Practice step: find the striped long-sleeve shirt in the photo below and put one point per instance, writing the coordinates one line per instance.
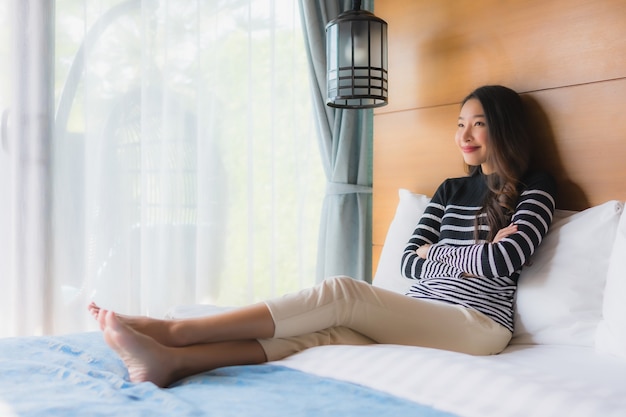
(476, 274)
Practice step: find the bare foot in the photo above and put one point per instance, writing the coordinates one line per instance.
(145, 358)
(160, 330)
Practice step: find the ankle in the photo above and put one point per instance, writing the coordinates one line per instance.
(178, 333)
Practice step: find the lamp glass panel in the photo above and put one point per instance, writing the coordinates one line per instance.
(331, 47)
(376, 38)
(360, 43)
(344, 44)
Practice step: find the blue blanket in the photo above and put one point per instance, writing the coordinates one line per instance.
(78, 375)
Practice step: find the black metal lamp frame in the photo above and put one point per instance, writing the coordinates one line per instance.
(356, 56)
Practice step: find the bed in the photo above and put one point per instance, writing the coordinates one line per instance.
(568, 360)
(568, 354)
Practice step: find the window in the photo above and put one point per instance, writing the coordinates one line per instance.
(185, 159)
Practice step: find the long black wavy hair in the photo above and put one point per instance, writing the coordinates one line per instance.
(508, 153)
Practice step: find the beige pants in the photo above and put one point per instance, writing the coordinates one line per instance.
(344, 311)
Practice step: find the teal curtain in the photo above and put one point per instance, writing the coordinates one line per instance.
(345, 239)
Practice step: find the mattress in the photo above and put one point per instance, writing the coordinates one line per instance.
(523, 381)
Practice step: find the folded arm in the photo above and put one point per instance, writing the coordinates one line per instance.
(511, 248)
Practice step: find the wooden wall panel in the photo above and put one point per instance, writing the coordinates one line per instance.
(581, 140)
(440, 49)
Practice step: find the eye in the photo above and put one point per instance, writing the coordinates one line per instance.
(479, 124)
(460, 125)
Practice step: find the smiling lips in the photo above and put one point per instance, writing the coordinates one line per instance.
(469, 149)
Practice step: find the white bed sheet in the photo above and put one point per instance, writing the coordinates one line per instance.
(523, 381)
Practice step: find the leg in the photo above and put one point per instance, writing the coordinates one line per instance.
(148, 360)
(367, 314)
(252, 322)
(279, 348)
(386, 317)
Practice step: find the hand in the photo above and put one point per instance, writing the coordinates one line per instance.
(505, 232)
(422, 251)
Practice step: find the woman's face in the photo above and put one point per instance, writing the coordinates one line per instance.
(472, 135)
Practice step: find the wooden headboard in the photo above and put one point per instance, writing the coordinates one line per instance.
(566, 57)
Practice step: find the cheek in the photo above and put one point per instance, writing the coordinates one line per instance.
(483, 138)
(457, 138)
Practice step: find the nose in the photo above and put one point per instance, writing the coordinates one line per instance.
(466, 134)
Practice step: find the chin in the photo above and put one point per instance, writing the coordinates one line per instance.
(472, 163)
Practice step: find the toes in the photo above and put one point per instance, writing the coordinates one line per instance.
(111, 320)
(101, 318)
(93, 309)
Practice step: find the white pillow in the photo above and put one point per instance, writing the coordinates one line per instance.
(408, 213)
(560, 295)
(611, 335)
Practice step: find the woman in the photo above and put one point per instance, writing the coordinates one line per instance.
(465, 255)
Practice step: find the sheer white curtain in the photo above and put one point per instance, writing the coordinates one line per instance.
(184, 162)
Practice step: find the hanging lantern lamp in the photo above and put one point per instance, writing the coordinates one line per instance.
(356, 57)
